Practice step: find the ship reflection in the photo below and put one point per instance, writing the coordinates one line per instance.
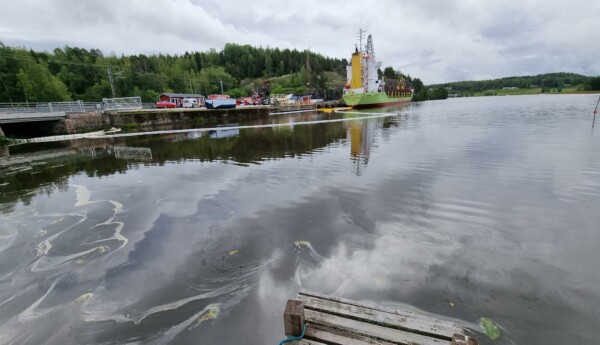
(361, 134)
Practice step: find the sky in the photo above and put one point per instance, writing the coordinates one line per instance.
(436, 41)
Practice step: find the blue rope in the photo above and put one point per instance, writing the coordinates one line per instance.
(294, 338)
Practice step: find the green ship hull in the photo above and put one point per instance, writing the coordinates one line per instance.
(376, 99)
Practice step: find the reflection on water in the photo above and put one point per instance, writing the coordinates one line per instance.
(465, 208)
(362, 138)
(124, 152)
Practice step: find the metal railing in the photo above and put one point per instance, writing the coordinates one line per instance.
(49, 107)
(76, 106)
(122, 103)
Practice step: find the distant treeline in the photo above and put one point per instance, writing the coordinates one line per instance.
(543, 81)
(75, 73)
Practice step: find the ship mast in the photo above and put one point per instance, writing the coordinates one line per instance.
(370, 51)
(370, 79)
(360, 35)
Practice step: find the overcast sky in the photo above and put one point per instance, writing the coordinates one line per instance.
(437, 41)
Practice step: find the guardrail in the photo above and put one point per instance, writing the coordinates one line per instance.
(50, 107)
(74, 107)
(122, 103)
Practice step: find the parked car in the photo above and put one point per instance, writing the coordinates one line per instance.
(165, 104)
(246, 101)
(189, 103)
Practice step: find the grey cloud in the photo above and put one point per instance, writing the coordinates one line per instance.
(510, 27)
(435, 41)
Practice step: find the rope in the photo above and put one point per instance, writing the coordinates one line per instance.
(595, 110)
(294, 338)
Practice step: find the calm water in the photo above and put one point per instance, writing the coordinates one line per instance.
(464, 208)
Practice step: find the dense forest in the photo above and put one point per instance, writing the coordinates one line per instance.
(76, 73)
(72, 73)
(547, 81)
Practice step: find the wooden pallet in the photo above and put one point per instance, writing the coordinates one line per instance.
(333, 320)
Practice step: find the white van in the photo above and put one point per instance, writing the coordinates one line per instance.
(189, 103)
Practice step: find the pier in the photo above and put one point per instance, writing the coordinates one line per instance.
(326, 320)
(45, 120)
(151, 118)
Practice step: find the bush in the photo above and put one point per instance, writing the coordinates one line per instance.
(240, 92)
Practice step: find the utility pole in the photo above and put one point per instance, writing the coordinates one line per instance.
(112, 79)
(221, 81)
(308, 69)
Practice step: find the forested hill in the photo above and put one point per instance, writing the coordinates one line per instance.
(79, 74)
(543, 81)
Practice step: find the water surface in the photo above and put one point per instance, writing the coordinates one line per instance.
(463, 208)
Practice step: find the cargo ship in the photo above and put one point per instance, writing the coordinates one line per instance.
(364, 88)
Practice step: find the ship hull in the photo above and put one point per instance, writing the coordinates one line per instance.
(374, 100)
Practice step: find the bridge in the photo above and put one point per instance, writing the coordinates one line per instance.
(31, 117)
(53, 111)
(34, 112)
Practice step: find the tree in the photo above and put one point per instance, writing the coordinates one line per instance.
(437, 93)
(38, 85)
(212, 77)
(389, 72)
(420, 93)
(593, 84)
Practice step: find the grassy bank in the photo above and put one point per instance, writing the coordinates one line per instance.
(532, 91)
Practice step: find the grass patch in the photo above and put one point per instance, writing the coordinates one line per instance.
(129, 127)
(531, 91)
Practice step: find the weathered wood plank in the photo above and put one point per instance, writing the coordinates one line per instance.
(350, 326)
(405, 313)
(460, 339)
(305, 342)
(333, 337)
(407, 322)
(293, 318)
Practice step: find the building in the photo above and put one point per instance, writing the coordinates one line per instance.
(305, 99)
(177, 98)
(290, 99)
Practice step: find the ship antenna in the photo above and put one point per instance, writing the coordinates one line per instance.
(360, 35)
